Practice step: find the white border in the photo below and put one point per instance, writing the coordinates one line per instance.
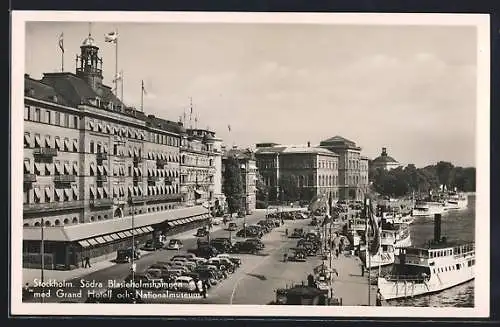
(482, 298)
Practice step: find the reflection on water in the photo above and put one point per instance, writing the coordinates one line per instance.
(455, 225)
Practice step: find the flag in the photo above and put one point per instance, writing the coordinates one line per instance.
(143, 89)
(61, 42)
(118, 76)
(229, 127)
(111, 37)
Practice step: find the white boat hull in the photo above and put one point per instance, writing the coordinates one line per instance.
(379, 259)
(391, 289)
(428, 211)
(456, 205)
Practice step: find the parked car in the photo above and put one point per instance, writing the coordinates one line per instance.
(153, 245)
(232, 227)
(184, 255)
(206, 251)
(175, 244)
(124, 256)
(207, 274)
(185, 284)
(235, 260)
(245, 247)
(249, 232)
(257, 242)
(164, 274)
(222, 264)
(221, 244)
(201, 232)
(297, 233)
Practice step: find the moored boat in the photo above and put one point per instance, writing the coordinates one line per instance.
(428, 209)
(428, 269)
(456, 201)
(397, 235)
(384, 257)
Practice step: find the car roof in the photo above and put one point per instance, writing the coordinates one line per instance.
(188, 278)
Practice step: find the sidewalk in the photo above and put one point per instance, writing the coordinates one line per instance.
(350, 285)
(29, 274)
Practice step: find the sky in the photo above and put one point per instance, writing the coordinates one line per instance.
(411, 89)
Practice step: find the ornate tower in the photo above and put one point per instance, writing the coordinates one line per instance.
(88, 64)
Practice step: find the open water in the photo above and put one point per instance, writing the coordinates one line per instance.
(455, 225)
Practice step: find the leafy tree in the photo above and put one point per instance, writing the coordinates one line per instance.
(262, 192)
(233, 184)
(444, 172)
(289, 189)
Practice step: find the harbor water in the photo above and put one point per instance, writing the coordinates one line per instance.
(455, 225)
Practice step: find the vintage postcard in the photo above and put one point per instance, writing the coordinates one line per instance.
(228, 164)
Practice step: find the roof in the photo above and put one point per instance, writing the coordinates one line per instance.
(245, 154)
(89, 42)
(294, 150)
(76, 90)
(340, 140)
(165, 124)
(384, 158)
(41, 91)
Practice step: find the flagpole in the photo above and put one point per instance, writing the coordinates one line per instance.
(142, 95)
(116, 63)
(121, 91)
(62, 61)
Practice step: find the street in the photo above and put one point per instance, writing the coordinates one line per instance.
(253, 283)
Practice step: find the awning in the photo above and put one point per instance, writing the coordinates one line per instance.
(92, 191)
(75, 191)
(58, 144)
(66, 144)
(27, 167)
(38, 142)
(27, 139)
(66, 169)
(47, 142)
(92, 241)
(136, 190)
(99, 126)
(100, 170)
(124, 131)
(48, 193)
(75, 169)
(122, 234)
(148, 229)
(48, 167)
(84, 243)
(92, 168)
(59, 194)
(100, 239)
(91, 124)
(130, 190)
(99, 191)
(38, 167)
(127, 233)
(57, 169)
(68, 192)
(114, 236)
(106, 192)
(38, 193)
(200, 192)
(142, 135)
(75, 145)
(108, 129)
(107, 238)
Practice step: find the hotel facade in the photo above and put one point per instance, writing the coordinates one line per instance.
(98, 174)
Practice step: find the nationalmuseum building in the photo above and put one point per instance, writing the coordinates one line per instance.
(335, 169)
(98, 173)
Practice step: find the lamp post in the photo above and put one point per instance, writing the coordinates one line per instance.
(132, 267)
(42, 252)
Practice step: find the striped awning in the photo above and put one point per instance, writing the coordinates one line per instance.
(27, 139)
(100, 239)
(27, 167)
(75, 169)
(67, 169)
(99, 126)
(108, 129)
(92, 241)
(66, 144)
(38, 193)
(38, 142)
(91, 124)
(92, 191)
(59, 194)
(75, 145)
(84, 243)
(48, 193)
(68, 192)
(47, 142)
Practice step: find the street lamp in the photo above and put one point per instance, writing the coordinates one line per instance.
(42, 252)
(132, 267)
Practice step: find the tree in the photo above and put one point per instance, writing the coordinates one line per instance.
(444, 172)
(290, 189)
(233, 184)
(262, 192)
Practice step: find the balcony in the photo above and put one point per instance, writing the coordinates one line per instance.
(153, 179)
(29, 178)
(101, 156)
(45, 152)
(64, 179)
(102, 178)
(52, 206)
(136, 199)
(161, 197)
(160, 163)
(101, 203)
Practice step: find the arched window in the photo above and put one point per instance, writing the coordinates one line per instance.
(91, 149)
(47, 223)
(26, 225)
(57, 222)
(105, 216)
(37, 224)
(66, 221)
(99, 217)
(92, 218)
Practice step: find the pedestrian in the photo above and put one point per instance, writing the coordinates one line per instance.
(286, 232)
(337, 253)
(199, 286)
(204, 289)
(379, 298)
(285, 257)
(87, 262)
(362, 270)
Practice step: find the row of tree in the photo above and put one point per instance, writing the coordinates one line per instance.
(403, 181)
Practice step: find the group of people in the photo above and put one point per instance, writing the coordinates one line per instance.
(202, 286)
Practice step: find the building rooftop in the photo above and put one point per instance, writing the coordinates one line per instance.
(41, 91)
(294, 149)
(384, 158)
(242, 154)
(339, 142)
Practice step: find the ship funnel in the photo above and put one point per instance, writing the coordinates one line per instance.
(437, 227)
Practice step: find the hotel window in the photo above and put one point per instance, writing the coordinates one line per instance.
(75, 122)
(58, 118)
(66, 120)
(47, 116)
(27, 112)
(61, 122)
(91, 148)
(37, 114)
(99, 147)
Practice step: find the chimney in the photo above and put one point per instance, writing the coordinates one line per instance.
(437, 228)
(308, 144)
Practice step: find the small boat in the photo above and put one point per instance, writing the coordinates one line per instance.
(398, 218)
(428, 209)
(397, 235)
(432, 268)
(456, 201)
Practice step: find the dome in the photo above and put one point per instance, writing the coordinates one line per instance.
(384, 158)
(88, 42)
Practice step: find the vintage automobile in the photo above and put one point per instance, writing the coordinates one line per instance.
(125, 256)
(297, 254)
(297, 233)
(245, 247)
(235, 260)
(153, 245)
(175, 244)
(232, 227)
(201, 232)
(204, 251)
(249, 232)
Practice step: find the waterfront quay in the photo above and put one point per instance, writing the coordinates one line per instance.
(255, 282)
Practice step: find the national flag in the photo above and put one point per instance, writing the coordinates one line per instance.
(229, 127)
(61, 42)
(118, 76)
(111, 37)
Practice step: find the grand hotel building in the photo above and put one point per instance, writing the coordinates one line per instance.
(98, 174)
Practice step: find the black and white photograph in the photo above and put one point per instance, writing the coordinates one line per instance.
(250, 164)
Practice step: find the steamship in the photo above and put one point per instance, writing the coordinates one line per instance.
(439, 265)
(428, 209)
(456, 201)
